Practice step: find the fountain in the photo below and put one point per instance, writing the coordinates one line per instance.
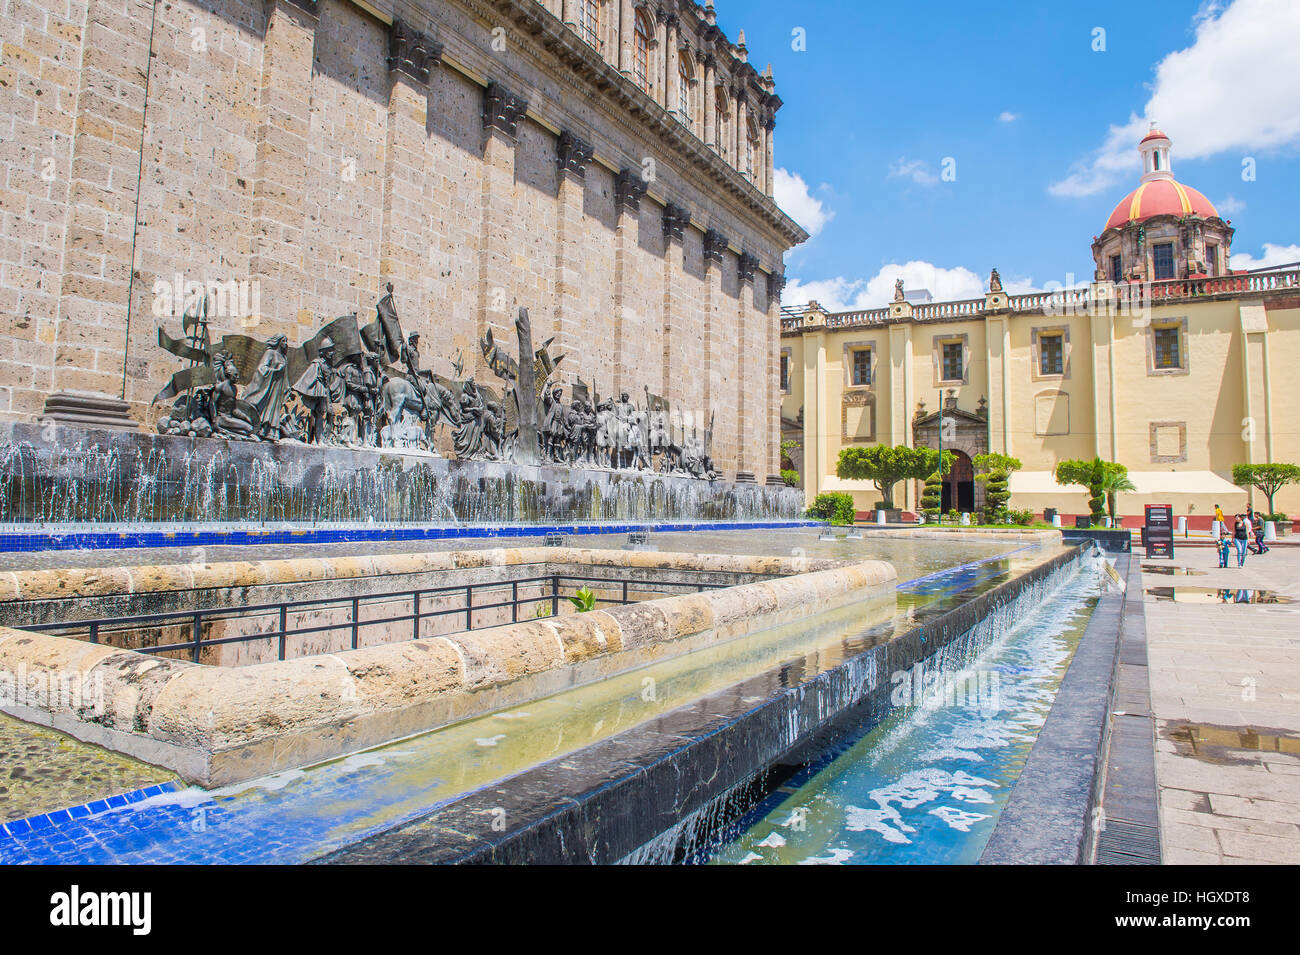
(339, 430)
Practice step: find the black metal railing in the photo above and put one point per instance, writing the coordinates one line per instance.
(549, 590)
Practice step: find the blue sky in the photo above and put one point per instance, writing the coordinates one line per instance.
(1041, 127)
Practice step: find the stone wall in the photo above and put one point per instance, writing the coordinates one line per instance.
(283, 147)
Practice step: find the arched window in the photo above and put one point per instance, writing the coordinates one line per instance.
(641, 61)
(684, 74)
(751, 149)
(589, 22)
(720, 120)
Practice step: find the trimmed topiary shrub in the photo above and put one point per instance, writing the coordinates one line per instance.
(932, 496)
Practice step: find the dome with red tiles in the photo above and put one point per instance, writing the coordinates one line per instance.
(1144, 239)
(1160, 197)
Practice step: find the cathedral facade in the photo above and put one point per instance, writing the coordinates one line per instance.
(1170, 363)
(605, 163)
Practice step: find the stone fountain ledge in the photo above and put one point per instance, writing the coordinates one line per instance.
(86, 582)
(215, 726)
(1010, 535)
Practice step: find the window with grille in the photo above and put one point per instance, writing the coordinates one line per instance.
(1051, 355)
(785, 372)
(862, 366)
(683, 91)
(1167, 350)
(1212, 258)
(1116, 269)
(720, 120)
(1163, 259)
(589, 21)
(952, 361)
(641, 66)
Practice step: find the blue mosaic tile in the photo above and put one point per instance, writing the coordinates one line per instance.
(104, 540)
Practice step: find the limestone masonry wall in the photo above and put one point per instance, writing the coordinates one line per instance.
(284, 148)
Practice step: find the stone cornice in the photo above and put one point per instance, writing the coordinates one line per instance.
(1100, 299)
(624, 97)
(412, 52)
(715, 243)
(775, 283)
(306, 6)
(676, 220)
(572, 154)
(502, 109)
(629, 189)
(748, 265)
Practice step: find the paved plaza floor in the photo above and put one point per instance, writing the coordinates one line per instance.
(1225, 692)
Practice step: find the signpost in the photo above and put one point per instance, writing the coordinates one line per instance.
(1158, 530)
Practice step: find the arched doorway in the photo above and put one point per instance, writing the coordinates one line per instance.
(959, 484)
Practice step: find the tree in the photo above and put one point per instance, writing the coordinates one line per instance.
(1267, 478)
(1089, 474)
(997, 470)
(1115, 480)
(885, 466)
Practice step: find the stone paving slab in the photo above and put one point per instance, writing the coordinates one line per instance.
(1225, 690)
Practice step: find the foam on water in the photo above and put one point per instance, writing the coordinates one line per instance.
(927, 785)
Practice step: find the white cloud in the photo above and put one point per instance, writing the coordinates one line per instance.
(1008, 117)
(1230, 90)
(791, 194)
(1229, 206)
(841, 294)
(1273, 255)
(917, 170)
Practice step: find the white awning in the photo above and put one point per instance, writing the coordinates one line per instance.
(1182, 482)
(1146, 482)
(1037, 482)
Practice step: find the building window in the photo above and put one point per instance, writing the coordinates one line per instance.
(720, 120)
(1167, 352)
(1116, 269)
(683, 91)
(1051, 355)
(862, 366)
(785, 373)
(641, 66)
(1212, 258)
(589, 22)
(1163, 258)
(751, 148)
(952, 361)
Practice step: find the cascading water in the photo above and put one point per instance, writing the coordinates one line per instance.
(927, 783)
(60, 475)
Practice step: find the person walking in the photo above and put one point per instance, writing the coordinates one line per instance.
(1224, 544)
(1257, 525)
(1240, 538)
(1218, 516)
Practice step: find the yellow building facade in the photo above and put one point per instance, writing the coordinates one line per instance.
(1177, 378)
